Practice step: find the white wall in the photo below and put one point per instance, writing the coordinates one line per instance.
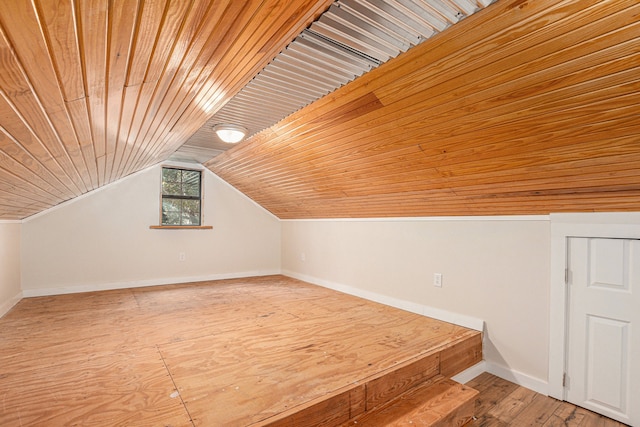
(103, 241)
(495, 270)
(10, 292)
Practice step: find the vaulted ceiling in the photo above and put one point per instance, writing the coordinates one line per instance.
(93, 90)
(526, 107)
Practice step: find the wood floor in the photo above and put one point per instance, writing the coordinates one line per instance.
(227, 353)
(503, 403)
(246, 352)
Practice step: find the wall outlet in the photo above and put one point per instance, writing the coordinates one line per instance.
(437, 279)
(182, 256)
(303, 257)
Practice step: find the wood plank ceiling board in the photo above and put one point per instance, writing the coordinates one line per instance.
(526, 107)
(93, 91)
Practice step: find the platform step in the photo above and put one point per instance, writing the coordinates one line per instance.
(439, 402)
(417, 387)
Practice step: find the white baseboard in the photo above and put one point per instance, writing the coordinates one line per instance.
(436, 313)
(515, 377)
(8, 305)
(142, 283)
(470, 373)
(524, 380)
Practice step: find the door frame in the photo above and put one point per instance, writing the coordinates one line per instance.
(563, 226)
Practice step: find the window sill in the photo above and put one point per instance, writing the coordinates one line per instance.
(180, 227)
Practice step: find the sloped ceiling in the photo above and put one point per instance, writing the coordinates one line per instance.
(527, 107)
(91, 91)
(351, 38)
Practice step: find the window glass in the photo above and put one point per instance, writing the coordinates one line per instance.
(181, 196)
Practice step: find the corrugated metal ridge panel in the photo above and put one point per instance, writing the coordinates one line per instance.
(349, 39)
(378, 18)
(315, 51)
(382, 34)
(304, 84)
(385, 9)
(330, 49)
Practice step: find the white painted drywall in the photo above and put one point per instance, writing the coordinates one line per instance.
(103, 241)
(495, 270)
(10, 291)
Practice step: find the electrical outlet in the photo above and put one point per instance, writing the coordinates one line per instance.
(182, 256)
(303, 257)
(437, 279)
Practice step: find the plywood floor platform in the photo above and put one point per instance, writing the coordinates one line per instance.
(242, 352)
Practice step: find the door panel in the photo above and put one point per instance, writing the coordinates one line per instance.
(604, 305)
(608, 260)
(608, 344)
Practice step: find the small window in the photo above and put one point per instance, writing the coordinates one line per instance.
(181, 197)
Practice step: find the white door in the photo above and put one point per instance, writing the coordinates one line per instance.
(603, 343)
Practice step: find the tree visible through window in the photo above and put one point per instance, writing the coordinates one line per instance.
(181, 196)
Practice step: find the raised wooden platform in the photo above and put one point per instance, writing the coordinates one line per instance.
(260, 351)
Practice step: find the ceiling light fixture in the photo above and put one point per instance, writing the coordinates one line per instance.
(230, 133)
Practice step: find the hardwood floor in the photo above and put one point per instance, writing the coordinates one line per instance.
(503, 403)
(227, 353)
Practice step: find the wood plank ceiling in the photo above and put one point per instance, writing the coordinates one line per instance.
(91, 91)
(527, 107)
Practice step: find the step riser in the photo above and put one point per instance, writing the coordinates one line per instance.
(398, 382)
(463, 416)
(461, 356)
(438, 403)
(330, 412)
(356, 400)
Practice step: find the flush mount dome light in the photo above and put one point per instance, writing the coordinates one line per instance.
(230, 133)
